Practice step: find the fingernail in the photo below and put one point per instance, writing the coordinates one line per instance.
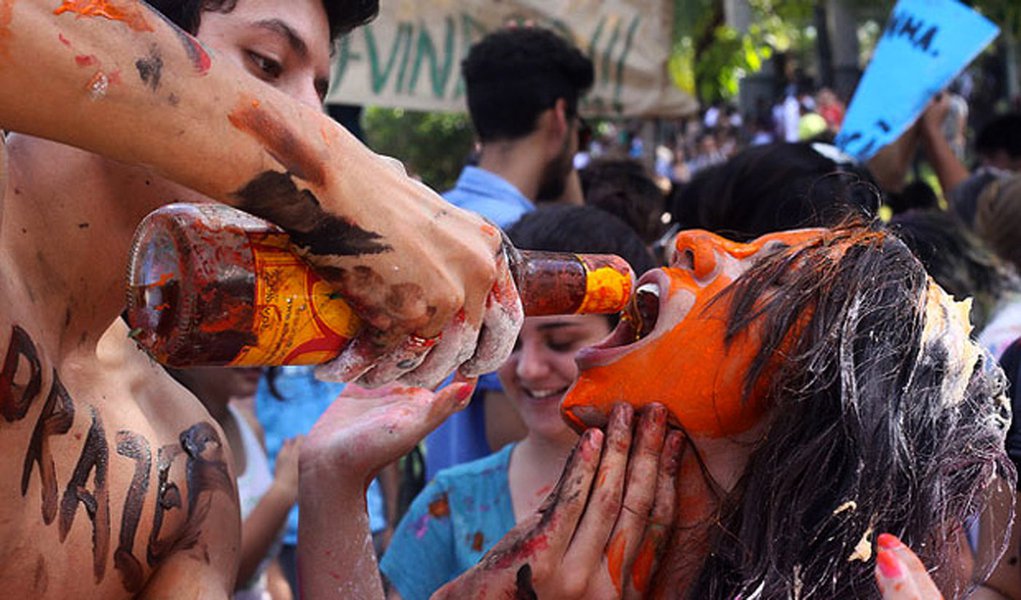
(888, 563)
(622, 414)
(464, 392)
(658, 414)
(674, 446)
(889, 541)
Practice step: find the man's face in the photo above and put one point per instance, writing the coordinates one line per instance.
(285, 44)
(671, 346)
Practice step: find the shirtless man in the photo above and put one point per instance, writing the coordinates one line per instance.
(113, 486)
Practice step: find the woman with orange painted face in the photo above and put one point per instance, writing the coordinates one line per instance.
(829, 391)
(467, 509)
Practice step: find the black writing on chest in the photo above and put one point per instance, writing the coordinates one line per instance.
(199, 446)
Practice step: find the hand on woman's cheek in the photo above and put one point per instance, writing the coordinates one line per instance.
(601, 532)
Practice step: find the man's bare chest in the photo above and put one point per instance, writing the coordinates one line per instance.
(101, 490)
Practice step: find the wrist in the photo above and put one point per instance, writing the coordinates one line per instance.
(285, 491)
(320, 477)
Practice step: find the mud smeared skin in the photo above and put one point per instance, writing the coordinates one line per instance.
(150, 68)
(94, 459)
(275, 197)
(196, 52)
(206, 473)
(168, 497)
(135, 447)
(55, 419)
(14, 407)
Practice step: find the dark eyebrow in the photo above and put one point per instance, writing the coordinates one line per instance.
(283, 29)
(555, 326)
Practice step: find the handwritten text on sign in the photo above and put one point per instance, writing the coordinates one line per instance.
(410, 56)
(925, 44)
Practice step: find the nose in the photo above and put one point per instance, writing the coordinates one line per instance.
(303, 89)
(310, 96)
(696, 252)
(531, 363)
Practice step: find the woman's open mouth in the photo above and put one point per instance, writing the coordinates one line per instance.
(637, 321)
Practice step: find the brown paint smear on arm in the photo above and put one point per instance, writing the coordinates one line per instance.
(280, 142)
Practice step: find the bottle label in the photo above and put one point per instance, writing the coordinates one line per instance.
(298, 318)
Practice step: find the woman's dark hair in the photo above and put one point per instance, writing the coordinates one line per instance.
(775, 187)
(885, 417)
(582, 229)
(957, 259)
(623, 188)
(1010, 361)
(343, 15)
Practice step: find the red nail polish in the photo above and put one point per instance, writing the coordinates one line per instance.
(888, 564)
(888, 541)
(464, 392)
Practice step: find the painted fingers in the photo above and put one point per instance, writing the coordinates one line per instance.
(656, 530)
(646, 513)
(528, 561)
(900, 574)
(600, 532)
(476, 337)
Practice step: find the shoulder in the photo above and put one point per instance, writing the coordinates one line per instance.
(482, 471)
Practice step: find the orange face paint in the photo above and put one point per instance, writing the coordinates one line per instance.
(684, 362)
(130, 13)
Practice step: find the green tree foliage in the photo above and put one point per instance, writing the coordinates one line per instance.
(709, 57)
(433, 146)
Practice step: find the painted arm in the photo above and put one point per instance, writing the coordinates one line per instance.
(134, 88)
(267, 519)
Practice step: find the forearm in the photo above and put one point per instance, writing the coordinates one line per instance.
(336, 558)
(890, 165)
(948, 167)
(260, 530)
(139, 90)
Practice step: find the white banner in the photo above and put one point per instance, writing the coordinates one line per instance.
(410, 56)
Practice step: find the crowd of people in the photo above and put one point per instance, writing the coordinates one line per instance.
(810, 393)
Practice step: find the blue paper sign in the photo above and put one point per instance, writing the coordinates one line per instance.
(925, 44)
